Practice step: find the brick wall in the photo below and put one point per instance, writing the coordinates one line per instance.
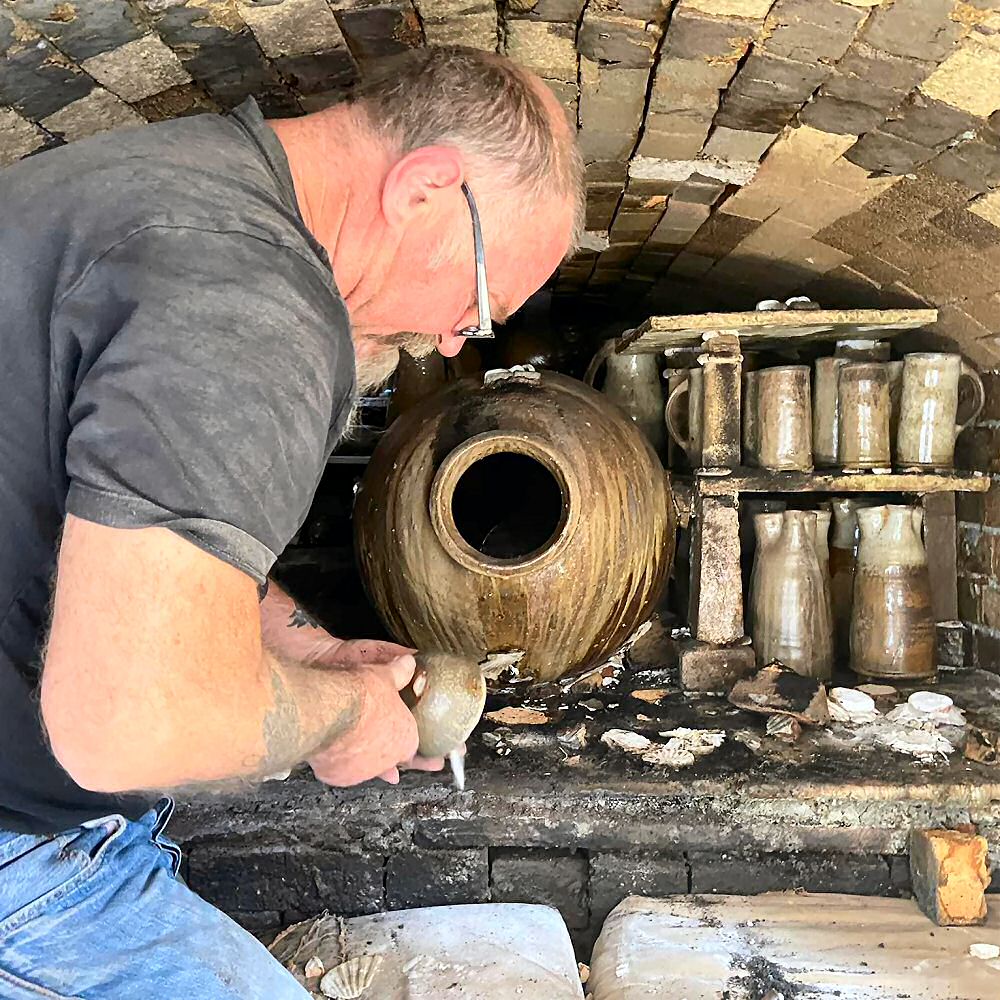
(979, 533)
(266, 888)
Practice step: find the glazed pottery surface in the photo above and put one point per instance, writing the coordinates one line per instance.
(446, 698)
(928, 419)
(784, 418)
(683, 414)
(863, 401)
(527, 514)
(791, 622)
(826, 412)
(892, 631)
(632, 383)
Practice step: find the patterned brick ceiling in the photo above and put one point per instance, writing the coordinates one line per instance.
(736, 149)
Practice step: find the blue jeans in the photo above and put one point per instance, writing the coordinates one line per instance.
(98, 913)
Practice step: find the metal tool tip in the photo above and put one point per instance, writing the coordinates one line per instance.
(457, 761)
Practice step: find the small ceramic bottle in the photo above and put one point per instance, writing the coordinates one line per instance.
(767, 528)
(892, 630)
(789, 603)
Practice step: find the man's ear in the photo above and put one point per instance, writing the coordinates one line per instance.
(421, 184)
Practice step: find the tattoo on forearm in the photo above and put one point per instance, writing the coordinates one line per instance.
(300, 618)
(280, 729)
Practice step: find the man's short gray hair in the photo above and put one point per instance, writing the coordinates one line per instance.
(484, 105)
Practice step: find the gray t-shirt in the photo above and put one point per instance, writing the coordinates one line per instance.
(173, 352)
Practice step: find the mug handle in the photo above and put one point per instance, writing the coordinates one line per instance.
(597, 361)
(670, 412)
(978, 396)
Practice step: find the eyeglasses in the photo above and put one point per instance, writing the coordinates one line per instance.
(484, 331)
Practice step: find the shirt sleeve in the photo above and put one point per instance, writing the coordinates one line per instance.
(215, 373)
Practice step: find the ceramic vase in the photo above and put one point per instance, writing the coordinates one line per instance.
(753, 506)
(683, 415)
(784, 418)
(826, 412)
(863, 402)
(929, 422)
(526, 513)
(632, 383)
(892, 628)
(789, 598)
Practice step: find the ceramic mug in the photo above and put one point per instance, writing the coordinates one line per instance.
(632, 383)
(826, 413)
(863, 402)
(784, 418)
(929, 421)
(690, 391)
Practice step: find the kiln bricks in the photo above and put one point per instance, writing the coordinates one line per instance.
(950, 875)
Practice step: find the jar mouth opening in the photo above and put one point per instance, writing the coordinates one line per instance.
(502, 504)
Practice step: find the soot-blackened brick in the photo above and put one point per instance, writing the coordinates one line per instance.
(861, 875)
(306, 881)
(37, 82)
(83, 28)
(889, 154)
(613, 877)
(692, 37)
(919, 29)
(928, 122)
(831, 114)
(544, 877)
(437, 878)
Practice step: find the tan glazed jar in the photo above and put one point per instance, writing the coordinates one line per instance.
(892, 630)
(528, 513)
(864, 411)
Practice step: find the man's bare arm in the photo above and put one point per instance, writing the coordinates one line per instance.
(157, 676)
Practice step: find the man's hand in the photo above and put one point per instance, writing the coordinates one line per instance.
(351, 758)
(385, 737)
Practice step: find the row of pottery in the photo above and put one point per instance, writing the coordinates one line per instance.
(869, 415)
(519, 511)
(862, 591)
(851, 414)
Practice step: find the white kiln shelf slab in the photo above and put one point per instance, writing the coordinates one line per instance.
(758, 330)
(799, 945)
(486, 951)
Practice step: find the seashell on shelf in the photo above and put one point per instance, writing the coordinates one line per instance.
(350, 979)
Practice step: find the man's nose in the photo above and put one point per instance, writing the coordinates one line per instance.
(449, 344)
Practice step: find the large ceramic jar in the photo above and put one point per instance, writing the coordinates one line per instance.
(892, 630)
(525, 514)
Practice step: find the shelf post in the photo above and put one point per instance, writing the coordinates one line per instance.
(716, 581)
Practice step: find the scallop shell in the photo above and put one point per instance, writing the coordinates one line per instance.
(351, 978)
